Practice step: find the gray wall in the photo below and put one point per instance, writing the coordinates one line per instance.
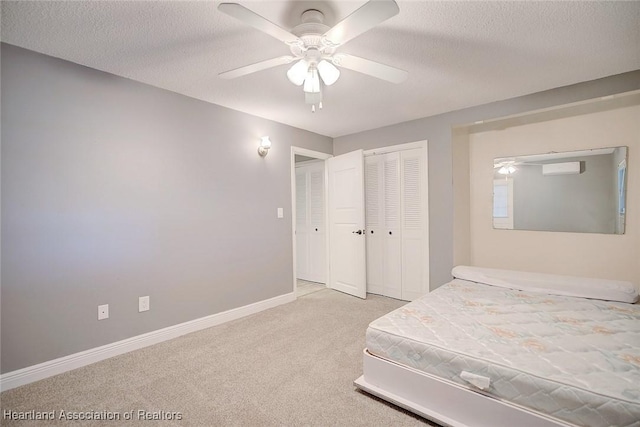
(112, 189)
(438, 131)
(582, 203)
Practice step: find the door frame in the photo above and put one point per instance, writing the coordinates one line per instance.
(315, 155)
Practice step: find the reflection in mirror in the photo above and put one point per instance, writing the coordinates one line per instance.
(576, 191)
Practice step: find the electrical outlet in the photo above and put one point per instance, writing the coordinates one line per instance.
(143, 304)
(103, 312)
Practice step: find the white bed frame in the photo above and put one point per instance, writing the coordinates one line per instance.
(441, 401)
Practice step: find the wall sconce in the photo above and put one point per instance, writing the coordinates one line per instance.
(265, 144)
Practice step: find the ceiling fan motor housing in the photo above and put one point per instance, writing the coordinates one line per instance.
(310, 31)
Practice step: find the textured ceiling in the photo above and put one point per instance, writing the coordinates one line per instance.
(458, 54)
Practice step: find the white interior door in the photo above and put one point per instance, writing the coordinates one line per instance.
(317, 250)
(383, 215)
(392, 275)
(347, 256)
(415, 242)
(302, 235)
(374, 217)
(310, 222)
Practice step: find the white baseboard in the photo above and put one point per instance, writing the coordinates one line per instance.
(67, 363)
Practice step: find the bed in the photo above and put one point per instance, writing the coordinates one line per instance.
(505, 348)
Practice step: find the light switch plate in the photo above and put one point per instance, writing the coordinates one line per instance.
(280, 213)
(143, 304)
(103, 311)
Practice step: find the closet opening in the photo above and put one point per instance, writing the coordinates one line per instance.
(309, 220)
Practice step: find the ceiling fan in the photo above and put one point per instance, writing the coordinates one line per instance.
(313, 47)
(507, 166)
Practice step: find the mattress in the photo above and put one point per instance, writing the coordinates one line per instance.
(575, 359)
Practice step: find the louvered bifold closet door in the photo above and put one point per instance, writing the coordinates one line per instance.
(302, 234)
(414, 211)
(383, 224)
(392, 275)
(316, 224)
(374, 221)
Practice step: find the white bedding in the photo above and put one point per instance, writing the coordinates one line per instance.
(572, 358)
(608, 290)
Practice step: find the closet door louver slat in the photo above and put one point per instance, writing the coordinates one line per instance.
(316, 202)
(301, 198)
(302, 235)
(392, 191)
(392, 277)
(412, 194)
(372, 194)
(374, 218)
(414, 244)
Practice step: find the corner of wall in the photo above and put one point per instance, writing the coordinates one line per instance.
(461, 196)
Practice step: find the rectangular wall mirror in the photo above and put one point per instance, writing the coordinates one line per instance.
(577, 191)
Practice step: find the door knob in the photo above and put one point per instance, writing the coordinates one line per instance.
(357, 232)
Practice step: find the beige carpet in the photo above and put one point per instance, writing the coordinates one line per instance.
(293, 365)
(304, 287)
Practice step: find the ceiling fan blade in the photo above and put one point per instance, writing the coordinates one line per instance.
(371, 68)
(363, 19)
(258, 66)
(249, 17)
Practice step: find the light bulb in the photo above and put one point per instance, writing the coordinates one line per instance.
(328, 72)
(298, 72)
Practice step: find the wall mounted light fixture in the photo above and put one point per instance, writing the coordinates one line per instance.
(265, 144)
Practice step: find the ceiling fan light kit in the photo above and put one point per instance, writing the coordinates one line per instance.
(298, 72)
(313, 47)
(328, 72)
